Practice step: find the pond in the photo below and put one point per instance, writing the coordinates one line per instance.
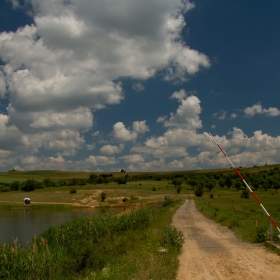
(24, 223)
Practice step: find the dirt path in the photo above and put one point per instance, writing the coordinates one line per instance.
(213, 252)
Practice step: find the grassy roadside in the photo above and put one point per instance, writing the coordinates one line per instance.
(139, 244)
(245, 217)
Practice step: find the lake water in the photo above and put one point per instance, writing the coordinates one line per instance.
(24, 223)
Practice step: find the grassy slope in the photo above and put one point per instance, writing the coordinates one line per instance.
(64, 175)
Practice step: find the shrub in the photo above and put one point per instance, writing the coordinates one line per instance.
(103, 196)
(124, 199)
(167, 202)
(245, 194)
(73, 191)
(172, 236)
(154, 189)
(260, 234)
(29, 185)
(199, 191)
(4, 189)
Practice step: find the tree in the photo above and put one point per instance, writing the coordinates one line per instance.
(103, 196)
(177, 182)
(237, 184)
(255, 182)
(222, 182)
(199, 190)
(15, 185)
(179, 188)
(47, 182)
(29, 185)
(192, 182)
(228, 181)
(276, 182)
(210, 185)
(121, 180)
(245, 194)
(92, 177)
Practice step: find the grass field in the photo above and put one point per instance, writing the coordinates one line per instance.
(244, 216)
(140, 192)
(64, 175)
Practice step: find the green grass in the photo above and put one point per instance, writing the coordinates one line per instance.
(244, 216)
(66, 175)
(120, 247)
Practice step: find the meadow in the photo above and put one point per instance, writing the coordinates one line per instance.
(243, 216)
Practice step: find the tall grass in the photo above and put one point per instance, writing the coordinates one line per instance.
(138, 244)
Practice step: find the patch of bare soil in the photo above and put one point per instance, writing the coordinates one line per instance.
(212, 251)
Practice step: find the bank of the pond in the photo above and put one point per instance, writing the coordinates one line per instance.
(136, 244)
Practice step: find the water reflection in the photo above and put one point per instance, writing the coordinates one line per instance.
(24, 223)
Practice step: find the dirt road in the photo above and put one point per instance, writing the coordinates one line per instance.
(213, 252)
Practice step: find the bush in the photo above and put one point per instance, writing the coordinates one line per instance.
(245, 194)
(172, 236)
(199, 191)
(4, 189)
(154, 189)
(124, 199)
(73, 191)
(29, 185)
(167, 202)
(103, 196)
(260, 234)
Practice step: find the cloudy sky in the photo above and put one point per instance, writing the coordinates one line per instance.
(101, 85)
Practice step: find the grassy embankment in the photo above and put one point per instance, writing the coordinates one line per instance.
(244, 216)
(139, 244)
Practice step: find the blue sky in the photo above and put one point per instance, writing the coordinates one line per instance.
(104, 85)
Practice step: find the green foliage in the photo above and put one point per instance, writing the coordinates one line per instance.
(260, 234)
(73, 191)
(29, 185)
(47, 182)
(179, 188)
(234, 223)
(72, 249)
(199, 190)
(15, 185)
(154, 189)
(210, 184)
(158, 178)
(245, 194)
(167, 202)
(4, 189)
(172, 236)
(121, 180)
(103, 196)
(228, 182)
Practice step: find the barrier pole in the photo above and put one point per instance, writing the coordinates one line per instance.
(243, 180)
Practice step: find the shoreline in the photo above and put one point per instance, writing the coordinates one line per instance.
(58, 205)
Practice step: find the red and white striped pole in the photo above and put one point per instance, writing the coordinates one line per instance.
(241, 177)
